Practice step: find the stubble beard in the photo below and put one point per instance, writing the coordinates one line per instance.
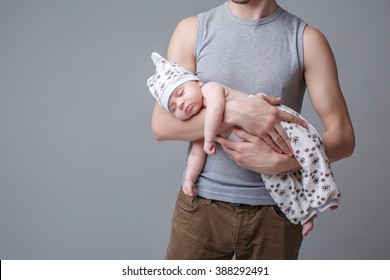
(241, 1)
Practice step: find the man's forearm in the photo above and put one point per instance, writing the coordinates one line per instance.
(340, 144)
(166, 127)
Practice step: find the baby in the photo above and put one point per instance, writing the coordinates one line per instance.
(300, 195)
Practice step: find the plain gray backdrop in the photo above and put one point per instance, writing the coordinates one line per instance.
(81, 176)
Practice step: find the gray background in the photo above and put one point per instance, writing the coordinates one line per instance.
(81, 176)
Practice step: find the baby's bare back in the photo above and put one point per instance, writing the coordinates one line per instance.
(231, 95)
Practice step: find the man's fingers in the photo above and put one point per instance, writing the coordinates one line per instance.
(282, 140)
(228, 146)
(271, 100)
(287, 117)
(267, 139)
(277, 143)
(226, 143)
(245, 136)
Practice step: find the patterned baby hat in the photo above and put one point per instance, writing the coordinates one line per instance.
(167, 78)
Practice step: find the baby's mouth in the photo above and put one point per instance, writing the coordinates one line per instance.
(188, 108)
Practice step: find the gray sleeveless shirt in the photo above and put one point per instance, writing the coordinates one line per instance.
(252, 56)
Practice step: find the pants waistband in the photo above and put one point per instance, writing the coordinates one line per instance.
(234, 205)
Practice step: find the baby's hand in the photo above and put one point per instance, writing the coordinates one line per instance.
(189, 187)
(209, 148)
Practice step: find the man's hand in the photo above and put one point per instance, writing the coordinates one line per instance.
(259, 116)
(255, 154)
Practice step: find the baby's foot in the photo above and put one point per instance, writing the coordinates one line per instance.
(189, 188)
(308, 226)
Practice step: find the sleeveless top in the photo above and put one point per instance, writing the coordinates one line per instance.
(252, 56)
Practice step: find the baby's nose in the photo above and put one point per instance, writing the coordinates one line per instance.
(180, 104)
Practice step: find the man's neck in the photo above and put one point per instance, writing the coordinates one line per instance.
(253, 10)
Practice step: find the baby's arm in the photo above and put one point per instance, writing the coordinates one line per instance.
(194, 167)
(214, 95)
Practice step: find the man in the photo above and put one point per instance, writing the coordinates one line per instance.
(252, 46)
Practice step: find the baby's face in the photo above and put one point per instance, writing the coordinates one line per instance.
(186, 100)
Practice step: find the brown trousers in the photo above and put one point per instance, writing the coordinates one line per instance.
(204, 229)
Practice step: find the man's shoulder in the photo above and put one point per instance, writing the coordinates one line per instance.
(188, 24)
(182, 44)
(313, 33)
(314, 38)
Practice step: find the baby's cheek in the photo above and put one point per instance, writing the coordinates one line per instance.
(183, 117)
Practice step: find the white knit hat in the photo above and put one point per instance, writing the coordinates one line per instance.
(167, 78)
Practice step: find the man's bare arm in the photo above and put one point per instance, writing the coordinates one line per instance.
(323, 86)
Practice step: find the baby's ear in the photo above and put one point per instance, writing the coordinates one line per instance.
(200, 83)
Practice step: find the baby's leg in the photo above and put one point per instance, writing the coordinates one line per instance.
(189, 187)
(194, 167)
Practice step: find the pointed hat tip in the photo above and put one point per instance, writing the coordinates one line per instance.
(156, 58)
